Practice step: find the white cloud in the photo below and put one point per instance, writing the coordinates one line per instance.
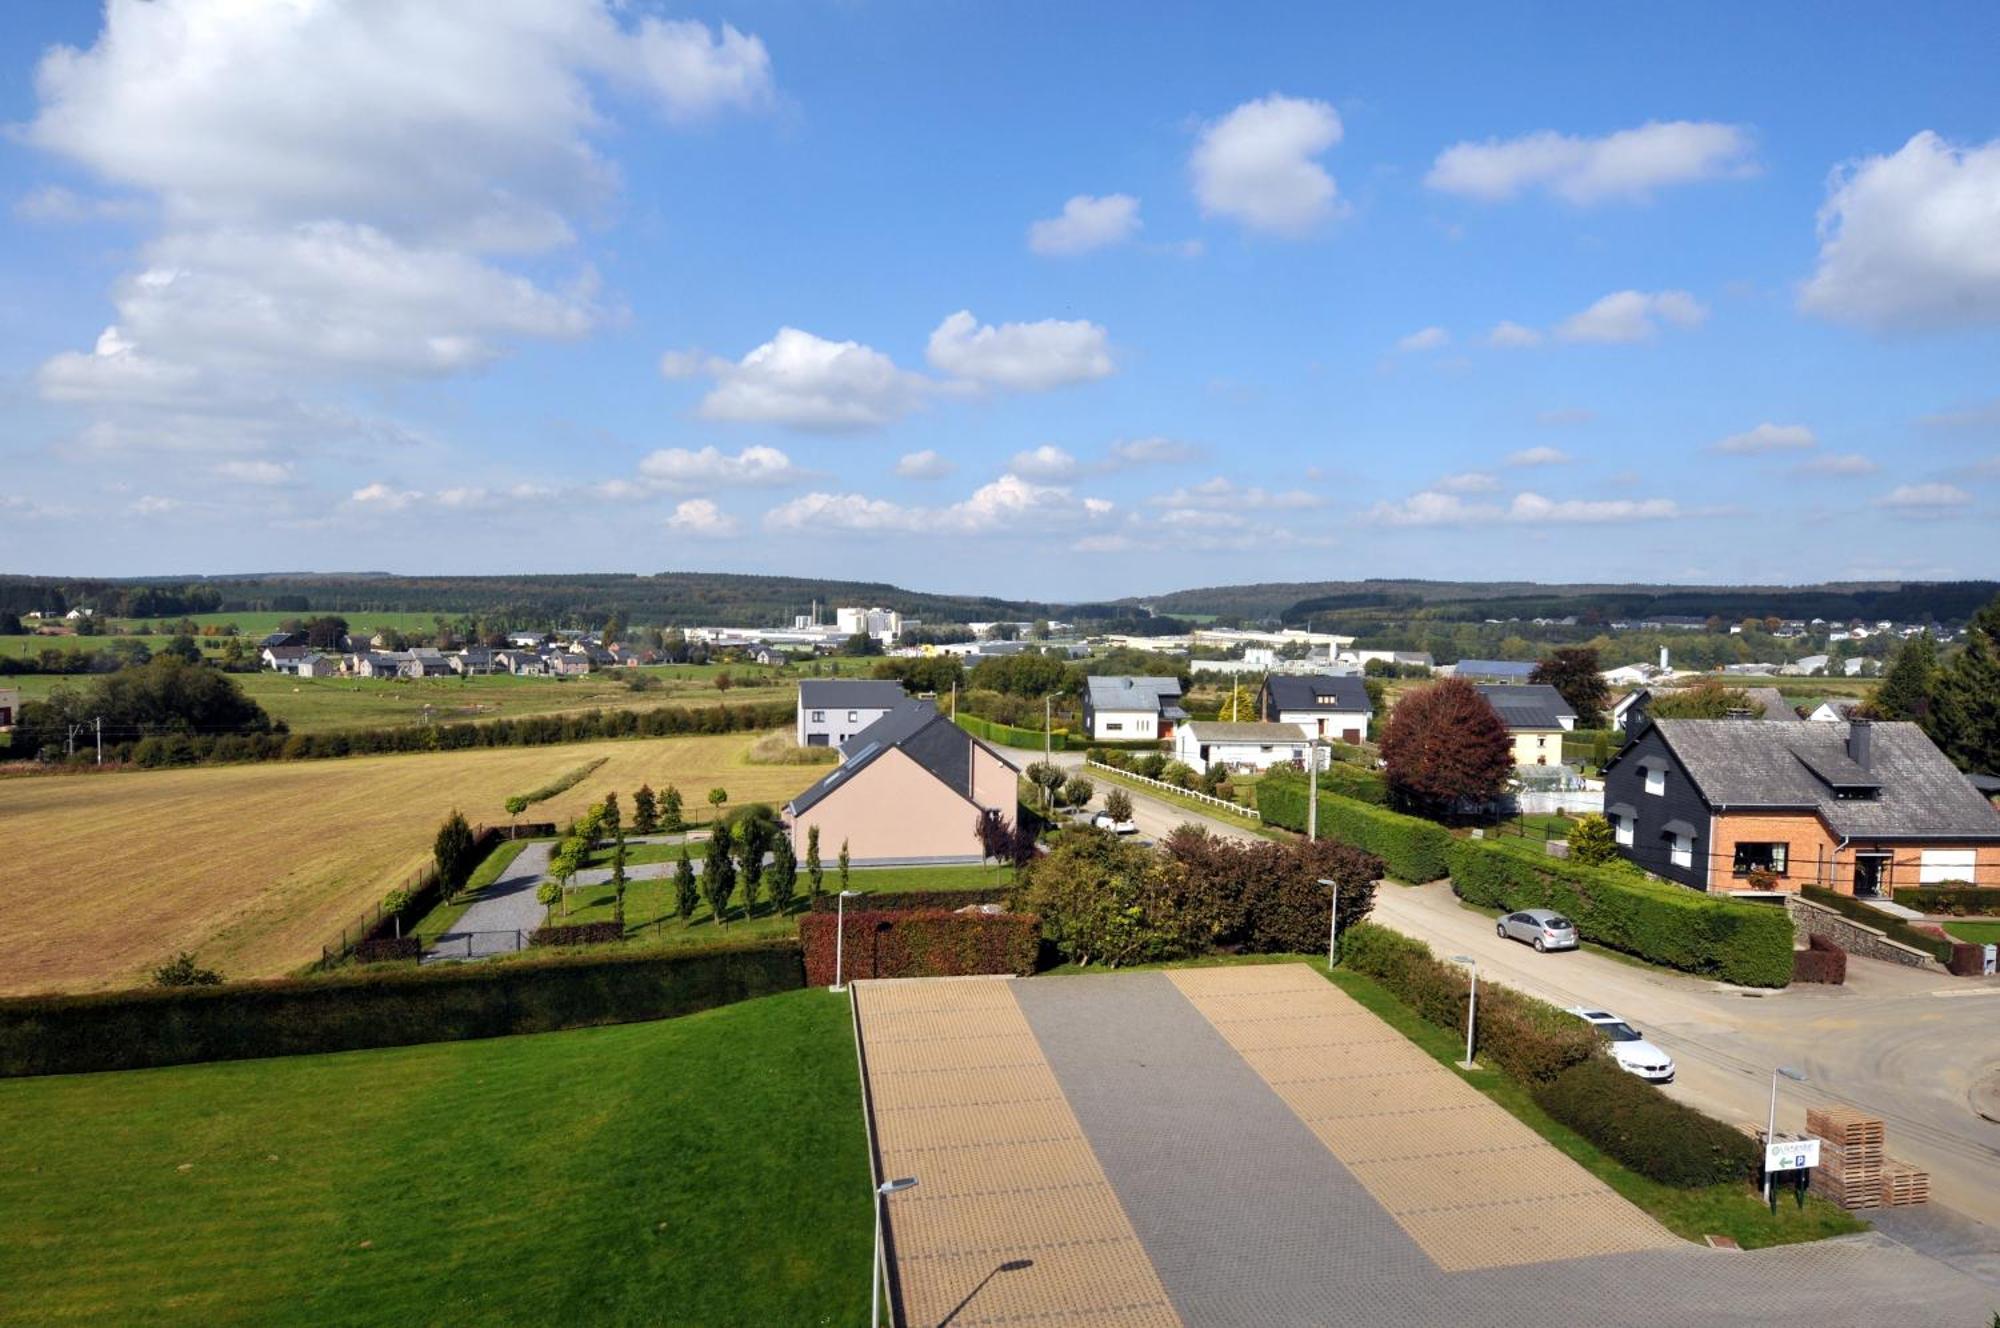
(1629, 316)
(1047, 462)
(924, 465)
(1433, 508)
(1429, 338)
(254, 472)
(680, 468)
(1911, 240)
(153, 505)
(1086, 223)
(1010, 504)
(54, 203)
(1628, 165)
(1468, 481)
(1532, 507)
(1766, 438)
(1021, 357)
(384, 498)
(1512, 336)
(1153, 451)
(1222, 494)
(699, 516)
(1256, 165)
(1849, 463)
(808, 382)
(1538, 456)
(1924, 498)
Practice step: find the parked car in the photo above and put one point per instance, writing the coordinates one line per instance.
(1106, 821)
(1543, 928)
(1628, 1046)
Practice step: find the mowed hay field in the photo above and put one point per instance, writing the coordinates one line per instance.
(254, 867)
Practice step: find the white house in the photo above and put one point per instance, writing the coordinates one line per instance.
(1244, 746)
(1318, 705)
(832, 710)
(1131, 709)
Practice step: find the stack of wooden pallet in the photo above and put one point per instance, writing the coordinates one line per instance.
(1853, 1170)
(1850, 1156)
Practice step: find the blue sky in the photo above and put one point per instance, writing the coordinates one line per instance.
(1015, 299)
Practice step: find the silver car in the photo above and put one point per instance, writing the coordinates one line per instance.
(1543, 928)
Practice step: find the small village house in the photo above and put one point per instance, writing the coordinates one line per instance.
(1131, 709)
(833, 710)
(1318, 705)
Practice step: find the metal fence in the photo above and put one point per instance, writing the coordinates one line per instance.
(477, 944)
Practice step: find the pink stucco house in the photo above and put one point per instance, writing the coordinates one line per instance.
(912, 785)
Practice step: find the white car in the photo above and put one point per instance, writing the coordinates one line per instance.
(1106, 821)
(1631, 1050)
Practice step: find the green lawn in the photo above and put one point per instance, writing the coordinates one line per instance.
(705, 1170)
(1978, 933)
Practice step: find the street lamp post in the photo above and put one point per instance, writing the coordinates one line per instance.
(1312, 791)
(1471, 1007)
(1771, 1129)
(840, 938)
(881, 1270)
(1333, 925)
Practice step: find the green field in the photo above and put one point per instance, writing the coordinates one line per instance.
(1978, 933)
(705, 1170)
(650, 905)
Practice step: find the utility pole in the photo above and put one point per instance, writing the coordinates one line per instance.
(1312, 792)
(99, 722)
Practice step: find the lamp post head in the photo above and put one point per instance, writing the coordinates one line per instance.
(850, 894)
(1797, 1076)
(896, 1186)
(1463, 959)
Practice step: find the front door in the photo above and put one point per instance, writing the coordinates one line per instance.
(1871, 875)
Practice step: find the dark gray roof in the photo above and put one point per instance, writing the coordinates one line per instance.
(1774, 703)
(925, 736)
(1533, 705)
(1493, 668)
(850, 694)
(1317, 691)
(1746, 763)
(1116, 692)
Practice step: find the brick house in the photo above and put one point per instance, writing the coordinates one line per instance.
(1860, 808)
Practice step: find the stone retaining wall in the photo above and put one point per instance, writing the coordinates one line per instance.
(1810, 919)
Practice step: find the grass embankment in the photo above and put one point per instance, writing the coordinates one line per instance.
(1734, 1210)
(1229, 816)
(252, 867)
(1978, 933)
(674, 1171)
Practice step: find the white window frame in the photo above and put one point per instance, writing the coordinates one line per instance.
(1656, 781)
(1680, 850)
(819, 717)
(1930, 871)
(1622, 829)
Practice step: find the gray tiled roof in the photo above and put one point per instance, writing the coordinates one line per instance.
(1773, 701)
(850, 694)
(1115, 692)
(921, 733)
(1746, 763)
(1318, 691)
(1218, 730)
(1534, 705)
(1493, 668)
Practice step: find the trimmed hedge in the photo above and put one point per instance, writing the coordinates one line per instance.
(1820, 961)
(578, 933)
(383, 948)
(1952, 901)
(1935, 945)
(382, 1008)
(1645, 1129)
(900, 901)
(1530, 1039)
(1737, 941)
(920, 944)
(1411, 848)
(1356, 782)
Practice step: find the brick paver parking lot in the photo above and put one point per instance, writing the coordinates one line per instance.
(1247, 1146)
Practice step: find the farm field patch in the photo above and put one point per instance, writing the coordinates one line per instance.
(254, 867)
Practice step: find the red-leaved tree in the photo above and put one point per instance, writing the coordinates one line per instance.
(1445, 747)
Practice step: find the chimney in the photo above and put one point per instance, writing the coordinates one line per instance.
(1860, 741)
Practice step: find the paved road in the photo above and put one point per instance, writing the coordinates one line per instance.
(1901, 1043)
(498, 921)
(1156, 817)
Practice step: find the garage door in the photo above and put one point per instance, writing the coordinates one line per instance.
(1945, 864)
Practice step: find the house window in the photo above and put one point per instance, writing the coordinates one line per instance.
(1114, 726)
(819, 716)
(1621, 829)
(1656, 781)
(1680, 849)
(1760, 858)
(852, 716)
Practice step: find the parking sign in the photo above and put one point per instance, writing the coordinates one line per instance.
(1791, 1155)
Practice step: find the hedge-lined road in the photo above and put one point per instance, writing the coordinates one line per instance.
(506, 906)
(1156, 817)
(1903, 1044)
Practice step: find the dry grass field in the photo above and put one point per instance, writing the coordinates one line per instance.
(253, 867)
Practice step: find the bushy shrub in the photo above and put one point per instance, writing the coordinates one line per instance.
(1821, 961)
(1411, 848)
(1149, 764)
(917, 944)
(1937, 946)
(1530, 1039)
(1645, 1129)
(183, 971)
(394, 1007)
(1105, 901)
(1951, 901)
(1731, 939)
(1592, 842)
(1267, 897)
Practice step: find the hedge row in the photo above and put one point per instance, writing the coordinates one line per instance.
(919, 944)
(1530, 1039)
(1820, 961)
(1411, 848)
(900, 901)
(578, 933)
(382, 1007)
(1356, 782)
(380, 949)
(1936, 946)
(1645, 1129)
(529, 731)
(1952, 901)
(1731, 939)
